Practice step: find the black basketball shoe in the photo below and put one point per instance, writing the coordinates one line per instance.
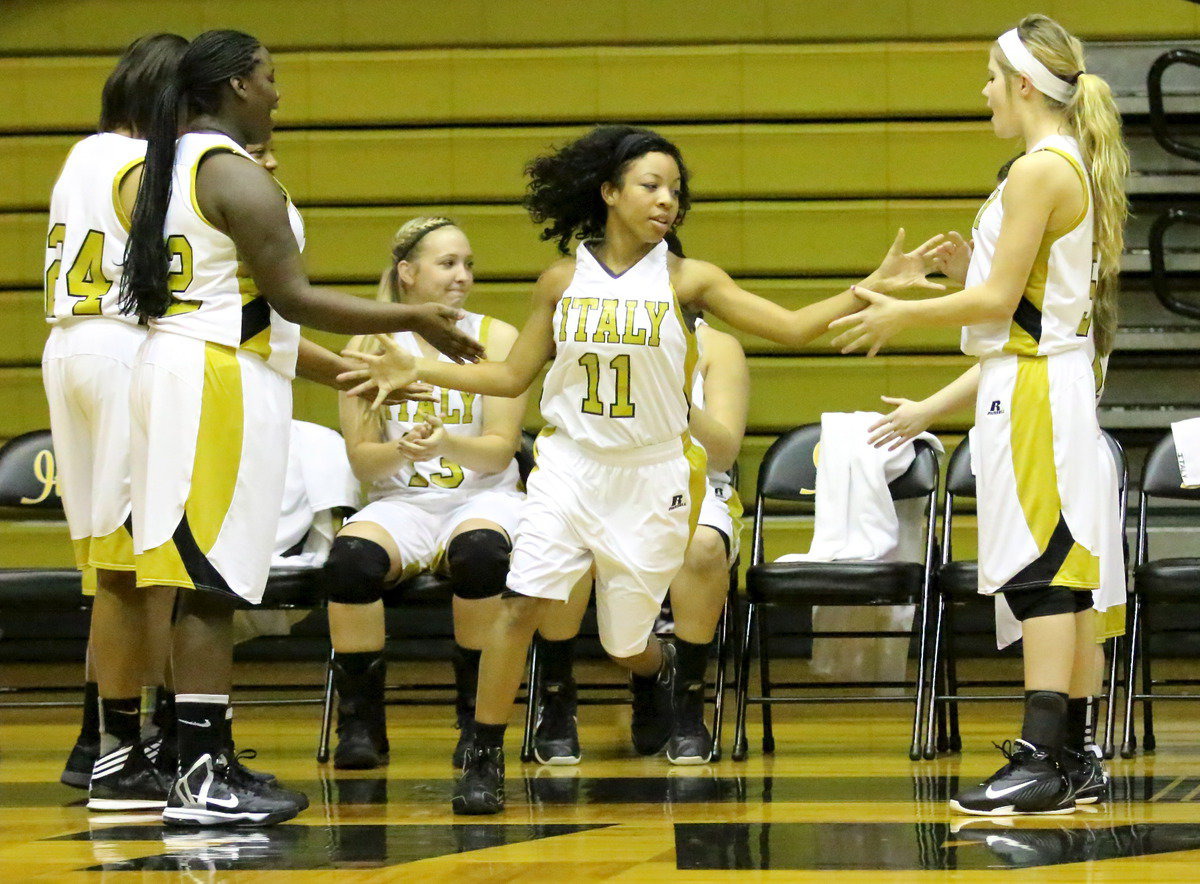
(77, 772)
(480, 789)
(1088, 776)
(556, 739)
(1031, 781)
(126, 779)
(210, 794)
(466, 733)
(690, 741)
(654, 706)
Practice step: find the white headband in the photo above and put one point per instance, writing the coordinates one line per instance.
(1022, 59)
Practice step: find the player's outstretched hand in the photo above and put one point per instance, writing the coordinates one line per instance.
(907, 421)
(436, 323)
(952, 257)
(906, 270)
(871, 327)
(393, 369)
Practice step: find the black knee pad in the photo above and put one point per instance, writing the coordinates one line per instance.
(478, 563)
(1044, 601)
(356, 571)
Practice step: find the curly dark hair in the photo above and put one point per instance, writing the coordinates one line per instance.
(564, 186)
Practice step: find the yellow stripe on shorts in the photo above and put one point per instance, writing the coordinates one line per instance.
(1061, 561)
(697, 459)
(112, 552)
(181, 560)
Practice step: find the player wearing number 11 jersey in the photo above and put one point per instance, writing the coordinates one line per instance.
(618, 482)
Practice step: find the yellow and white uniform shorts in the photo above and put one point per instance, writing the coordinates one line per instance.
(1047, 486)
(210, 446)
(722, 509)
(628, 513)
(87, 366)
(421, 525)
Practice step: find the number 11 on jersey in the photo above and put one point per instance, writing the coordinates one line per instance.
(621, 406)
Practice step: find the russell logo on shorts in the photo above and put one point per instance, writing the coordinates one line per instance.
(995, 409)
(676, 502)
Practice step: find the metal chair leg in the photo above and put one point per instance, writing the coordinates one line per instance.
(764, 674)
(723, 628)
(742, 677)
(326, 713)
(934, 712)
(955, 740)
(1133, 642)
(1148, 741)
(914, 749)
(533, 678)
(1110, 702)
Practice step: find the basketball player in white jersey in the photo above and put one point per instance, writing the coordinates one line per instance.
(619, 482)
(1038, 305)
(86, 367)
(443, 491)
(717, 421)
(213, 264)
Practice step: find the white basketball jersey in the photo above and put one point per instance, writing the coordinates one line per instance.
(215, 298)
(1054, 314)
(716, 478)
(85, 246)
(462, 415)
(625, 359)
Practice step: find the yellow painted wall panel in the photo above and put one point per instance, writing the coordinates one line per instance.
(38, 26)
(810, 238)
(24, 328)
(563, 84)
(382, 167)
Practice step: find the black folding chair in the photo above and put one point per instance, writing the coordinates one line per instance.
(1165, 582)
(957, 586)
(788, 469)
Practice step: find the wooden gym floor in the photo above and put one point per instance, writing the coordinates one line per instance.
(838, 800)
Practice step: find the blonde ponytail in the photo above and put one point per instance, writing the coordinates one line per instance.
(1096, 124)
(1097, 127)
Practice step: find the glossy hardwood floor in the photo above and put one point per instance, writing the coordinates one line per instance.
(838, 800)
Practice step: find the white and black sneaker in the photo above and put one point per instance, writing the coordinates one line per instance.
(1088, 776)
(127, 779)
(210, 793)
(1030, 782)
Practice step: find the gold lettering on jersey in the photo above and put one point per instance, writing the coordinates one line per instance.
(606, 328)
(657, 310)
(629, 336)
(445, 408)
(586, 306)
(564, 307)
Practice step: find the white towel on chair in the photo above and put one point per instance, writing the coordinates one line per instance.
(857, 520)
(1187, 449)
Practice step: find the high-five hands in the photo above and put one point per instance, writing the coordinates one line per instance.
(952, 257)
(873, 326)
(905, 270)
(392, 369)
